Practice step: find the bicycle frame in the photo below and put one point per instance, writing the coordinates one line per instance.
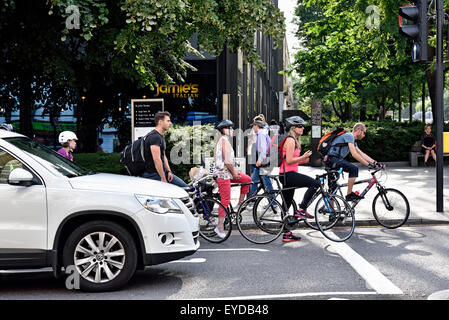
(371, 182)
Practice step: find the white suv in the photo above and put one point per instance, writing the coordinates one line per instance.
(56, 214)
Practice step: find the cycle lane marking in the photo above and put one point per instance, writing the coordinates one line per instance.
(373, 277)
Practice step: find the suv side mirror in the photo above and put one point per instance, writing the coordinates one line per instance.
(21, 177)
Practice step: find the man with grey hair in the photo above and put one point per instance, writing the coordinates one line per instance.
(341, 147)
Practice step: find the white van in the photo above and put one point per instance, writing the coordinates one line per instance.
(53, 213)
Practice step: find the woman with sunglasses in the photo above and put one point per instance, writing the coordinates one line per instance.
(289, 175)
(226, 172)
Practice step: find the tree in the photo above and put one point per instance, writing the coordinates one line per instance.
(125, 45)
(346, 57)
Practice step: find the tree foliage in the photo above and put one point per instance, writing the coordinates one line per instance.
(352, 52)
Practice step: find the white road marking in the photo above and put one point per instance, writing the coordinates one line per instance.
(373, 277)
(292, 295)
(194, 260)
(236, 249)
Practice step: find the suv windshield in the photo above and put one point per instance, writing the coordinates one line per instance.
(48, 157)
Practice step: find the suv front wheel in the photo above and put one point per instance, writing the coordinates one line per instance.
(103, 254)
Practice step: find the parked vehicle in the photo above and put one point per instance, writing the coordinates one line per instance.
(53, 213)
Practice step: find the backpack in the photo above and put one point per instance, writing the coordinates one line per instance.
(326, 141)
(134, 155)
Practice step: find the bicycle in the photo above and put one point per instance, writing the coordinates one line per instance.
(207, 207)
(391, 212)
(272, 219)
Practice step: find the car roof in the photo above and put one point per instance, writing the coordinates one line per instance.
(9, 134)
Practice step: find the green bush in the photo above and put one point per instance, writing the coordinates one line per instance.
(99, 162)
(385, 141)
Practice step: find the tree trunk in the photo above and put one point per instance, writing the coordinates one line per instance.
(26, 108)
(431, 84)
(362, 111)
(348, 111)
(399, 102)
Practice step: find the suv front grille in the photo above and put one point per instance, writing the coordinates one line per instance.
(189, 204)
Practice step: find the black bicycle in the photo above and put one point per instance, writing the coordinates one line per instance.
(208, 208)
(334, 217)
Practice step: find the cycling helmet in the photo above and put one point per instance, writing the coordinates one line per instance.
(66, 136)
(224, 124)
(294, 121)
(6, 126)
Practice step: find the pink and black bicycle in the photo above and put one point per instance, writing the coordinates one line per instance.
(390, 207)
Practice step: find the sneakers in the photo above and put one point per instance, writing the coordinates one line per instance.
(289, 237)
(353, 197)
(303, 214)
(219, 234)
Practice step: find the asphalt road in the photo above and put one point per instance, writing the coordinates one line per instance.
(409, 263)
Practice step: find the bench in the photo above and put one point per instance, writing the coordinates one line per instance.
(415, 153)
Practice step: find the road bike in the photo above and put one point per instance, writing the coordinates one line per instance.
(269, 218)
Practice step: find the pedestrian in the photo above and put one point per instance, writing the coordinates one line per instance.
(226, 172)
(289, 175)
(156, 163)
(68, 141)
(428, 144)
(260, 154)
(341, 146)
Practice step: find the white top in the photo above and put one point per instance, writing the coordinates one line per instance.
(220, 169)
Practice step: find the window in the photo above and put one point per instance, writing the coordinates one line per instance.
(48, 157)
(7, 164)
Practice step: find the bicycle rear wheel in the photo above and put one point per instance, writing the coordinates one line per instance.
(263, 222)
(207, 209)
(391, 208)
(335, 217)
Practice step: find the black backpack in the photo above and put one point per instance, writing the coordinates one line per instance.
(134, 155)
(326, 141)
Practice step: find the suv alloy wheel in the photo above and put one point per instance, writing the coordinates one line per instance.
(104, 255)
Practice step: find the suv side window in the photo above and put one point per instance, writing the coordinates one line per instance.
(7, 164)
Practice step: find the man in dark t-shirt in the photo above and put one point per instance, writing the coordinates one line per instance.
(156, 166)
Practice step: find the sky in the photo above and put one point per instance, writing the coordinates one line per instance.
(288, 7)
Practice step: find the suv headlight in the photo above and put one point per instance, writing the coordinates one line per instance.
(158, 205)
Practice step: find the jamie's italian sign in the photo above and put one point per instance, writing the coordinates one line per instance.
(178, 90)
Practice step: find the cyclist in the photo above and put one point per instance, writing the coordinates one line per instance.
(341, 147)
(225, 171)
(289, 175)
(68, 141)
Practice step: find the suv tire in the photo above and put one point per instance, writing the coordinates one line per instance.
(103, 254)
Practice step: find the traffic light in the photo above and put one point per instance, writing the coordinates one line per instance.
(417, 14)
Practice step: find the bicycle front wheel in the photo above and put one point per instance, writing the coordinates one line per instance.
(208, 211)
(260, 219)
(391, 208)
(334, 217)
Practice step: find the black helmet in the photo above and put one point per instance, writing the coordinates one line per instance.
(224, 124)
(294, 121)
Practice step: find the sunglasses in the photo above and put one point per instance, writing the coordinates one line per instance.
(299, 126)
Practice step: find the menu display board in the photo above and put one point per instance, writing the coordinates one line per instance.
(142, 119)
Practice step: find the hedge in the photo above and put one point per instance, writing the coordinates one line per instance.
(385, 141)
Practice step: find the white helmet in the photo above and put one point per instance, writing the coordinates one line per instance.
(66, 136)
(6, 126)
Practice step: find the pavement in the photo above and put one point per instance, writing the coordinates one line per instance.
(418, 184)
